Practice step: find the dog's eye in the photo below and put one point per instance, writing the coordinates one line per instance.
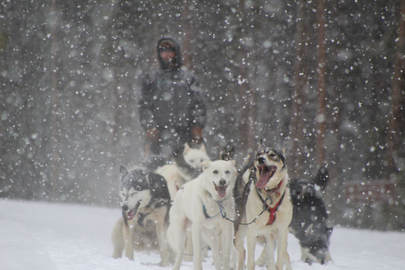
(273, 156)
(227, 172)
(201, 160)
(215, 171)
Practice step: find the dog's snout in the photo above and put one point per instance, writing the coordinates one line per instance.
(222, 182)
(125, 207)
(261, 160)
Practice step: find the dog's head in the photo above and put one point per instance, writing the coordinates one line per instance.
(219, 178)
(134, 191)
(270, 169)
(195, 157)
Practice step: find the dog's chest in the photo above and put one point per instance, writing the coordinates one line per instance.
(264, 216)
(213, 212)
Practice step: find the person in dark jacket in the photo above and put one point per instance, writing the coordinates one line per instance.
(171, 109)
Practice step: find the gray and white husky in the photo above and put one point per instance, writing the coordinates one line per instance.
(144, 198)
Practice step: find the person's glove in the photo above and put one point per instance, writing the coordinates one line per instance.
(152, 133)
(196, 135)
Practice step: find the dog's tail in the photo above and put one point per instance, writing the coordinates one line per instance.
(322, 177)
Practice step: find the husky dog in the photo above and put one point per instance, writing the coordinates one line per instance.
(264, 209)
(185, 167)
(309, 223)
(144, 197)
(203, 204)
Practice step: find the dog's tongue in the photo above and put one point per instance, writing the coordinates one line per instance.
(221, 191)
(131, 215)
(264, 178)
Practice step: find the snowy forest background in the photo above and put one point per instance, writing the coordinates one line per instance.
(322, 79)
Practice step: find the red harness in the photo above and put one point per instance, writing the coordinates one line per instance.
(273, 210)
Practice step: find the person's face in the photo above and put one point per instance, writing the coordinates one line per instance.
(167, 55)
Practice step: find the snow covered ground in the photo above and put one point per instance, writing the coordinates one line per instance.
(35, 235)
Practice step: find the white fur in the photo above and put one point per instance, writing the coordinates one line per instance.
(175, 177)
(187, 210)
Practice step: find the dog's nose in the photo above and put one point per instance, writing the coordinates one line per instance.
(222, 182)
(125, 207)
(261, 160)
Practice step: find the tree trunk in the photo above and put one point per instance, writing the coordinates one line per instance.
(246, 95)
(321, 117)
(397, 97)
(187, 35)
(54, 124)
(301, 80)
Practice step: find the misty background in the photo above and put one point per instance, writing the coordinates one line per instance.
(323, 80)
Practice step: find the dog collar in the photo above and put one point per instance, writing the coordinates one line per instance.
(206, 213)
(272, 210)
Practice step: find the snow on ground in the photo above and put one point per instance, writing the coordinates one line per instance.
(36, 235)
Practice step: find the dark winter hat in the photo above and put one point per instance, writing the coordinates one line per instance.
(165, 44)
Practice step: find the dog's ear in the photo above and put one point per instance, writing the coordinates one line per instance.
(158, 186)
(205, 165)
(322, 177)
(233, 162)
(202, 147)
(123, 170)
(186, 148)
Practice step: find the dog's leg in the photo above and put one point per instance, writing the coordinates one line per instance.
(196, 235)
(162, 240)
(129, 242)
(240, 249)
(262, 260)
(227, 233)
(212, 238)
(269, 251)
(176, 236)
(188, 256)
(282, 254)
(251, 245)
(117, 238)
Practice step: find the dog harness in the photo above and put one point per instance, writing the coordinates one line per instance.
(272, 210)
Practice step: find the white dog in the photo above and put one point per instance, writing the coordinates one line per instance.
(185, 167)
(202, 204)
(265, 210)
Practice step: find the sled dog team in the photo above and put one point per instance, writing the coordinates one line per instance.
(197, 204)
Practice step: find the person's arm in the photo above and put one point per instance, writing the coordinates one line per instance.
(198, 112)
(146, 116)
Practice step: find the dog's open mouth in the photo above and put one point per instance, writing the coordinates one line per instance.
(221, 190)
(265, 173)
(130, 214)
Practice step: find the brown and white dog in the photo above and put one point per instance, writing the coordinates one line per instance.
(264, 209)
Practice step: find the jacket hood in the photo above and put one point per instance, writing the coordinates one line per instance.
(177, 58)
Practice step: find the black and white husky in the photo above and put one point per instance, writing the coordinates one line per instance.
(310, 217)
(144, 197)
